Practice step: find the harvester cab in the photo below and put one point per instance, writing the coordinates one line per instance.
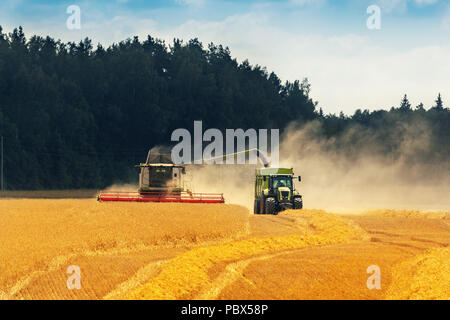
(275, 191)
(159, 174)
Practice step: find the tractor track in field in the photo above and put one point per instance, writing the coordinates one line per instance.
(139, 278)
(231, 273)
(412, 238)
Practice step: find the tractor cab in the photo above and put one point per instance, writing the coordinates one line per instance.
(282, 188)
(281, 182)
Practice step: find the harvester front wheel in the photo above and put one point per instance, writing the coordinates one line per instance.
(298, 203)
(271, 206)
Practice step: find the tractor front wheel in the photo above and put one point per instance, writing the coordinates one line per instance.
(271, 206)
(298, 203)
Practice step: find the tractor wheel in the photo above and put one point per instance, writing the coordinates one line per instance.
(262, 206)
(256, 207)
(298, 203)
(271, 206)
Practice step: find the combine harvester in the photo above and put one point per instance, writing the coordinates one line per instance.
(160, 180)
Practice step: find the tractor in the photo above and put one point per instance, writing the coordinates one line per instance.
(275, 191)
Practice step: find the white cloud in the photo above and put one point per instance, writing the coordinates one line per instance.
(400, 6)
(446, 18)
(196, 3)
(302, 3)
(389, 6)
(425, 2)
(346, 72)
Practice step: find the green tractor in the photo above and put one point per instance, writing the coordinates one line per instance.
(275, 191)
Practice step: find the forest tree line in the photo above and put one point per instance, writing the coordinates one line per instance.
(75, 116)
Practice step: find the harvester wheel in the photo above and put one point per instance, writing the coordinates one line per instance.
(298, 203)
(271, 206)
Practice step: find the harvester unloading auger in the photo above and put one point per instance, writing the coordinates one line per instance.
(160, 180)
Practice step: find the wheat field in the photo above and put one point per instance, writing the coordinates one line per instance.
(195, 251)
(40, 238)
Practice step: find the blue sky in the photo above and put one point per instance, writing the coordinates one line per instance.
(327, 41)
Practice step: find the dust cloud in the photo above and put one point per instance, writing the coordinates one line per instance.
(351, 173)
(127, 187)
(236, 182)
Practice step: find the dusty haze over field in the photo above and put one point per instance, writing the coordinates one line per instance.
(353, 174)
(349, 173)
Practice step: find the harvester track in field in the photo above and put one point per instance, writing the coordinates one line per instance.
(232, 273)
